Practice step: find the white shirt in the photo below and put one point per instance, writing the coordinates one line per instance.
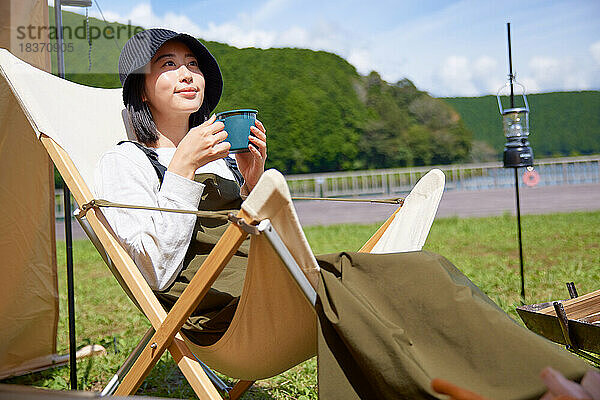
(157, 241)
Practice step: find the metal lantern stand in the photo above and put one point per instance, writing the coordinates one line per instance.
(517, 152)
(67, 198)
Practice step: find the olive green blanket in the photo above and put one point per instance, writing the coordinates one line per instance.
(390, 323)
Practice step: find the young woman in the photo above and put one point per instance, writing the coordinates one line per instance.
(171, 84)
(389, 323)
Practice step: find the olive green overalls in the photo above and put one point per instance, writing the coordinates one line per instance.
(213, 315)
(211, 318)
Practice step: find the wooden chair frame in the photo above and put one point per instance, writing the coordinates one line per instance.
(166, 326)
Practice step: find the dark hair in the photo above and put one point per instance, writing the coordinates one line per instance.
(141, 116)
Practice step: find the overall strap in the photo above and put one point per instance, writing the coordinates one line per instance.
(232, 164)
(161, 169)
(153, 157)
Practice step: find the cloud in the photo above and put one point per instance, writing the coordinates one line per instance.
(560, 74)
(459, 76)
(234, 35)
(455, 76)
(420, 45)
(321, 35)
(595, 50)
(531, 85)
(268, 11)
(487, 76)
(546, 71)
(142, 15)
(362, 60)
(244, 30)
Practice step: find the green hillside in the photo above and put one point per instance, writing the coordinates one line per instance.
(561, 124)
(321, 115)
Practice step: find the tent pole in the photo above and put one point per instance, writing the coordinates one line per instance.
(67, 208)
(70, 289)
(519, 235)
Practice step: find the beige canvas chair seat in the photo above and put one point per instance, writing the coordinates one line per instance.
(274, 327)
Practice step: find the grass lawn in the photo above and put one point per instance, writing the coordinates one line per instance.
(558, 248)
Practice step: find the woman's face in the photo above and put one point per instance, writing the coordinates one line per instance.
(173, 82)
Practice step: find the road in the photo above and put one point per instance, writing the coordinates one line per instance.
(536, 200)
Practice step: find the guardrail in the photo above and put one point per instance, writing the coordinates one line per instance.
(554, 171)
(384, 182)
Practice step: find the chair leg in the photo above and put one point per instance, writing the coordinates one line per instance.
(239, 389)
(116, 379)
(193, 371)
(368, 246)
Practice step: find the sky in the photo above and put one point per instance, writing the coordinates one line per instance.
(448, 48)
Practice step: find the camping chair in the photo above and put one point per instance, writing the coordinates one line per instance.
(76, 124)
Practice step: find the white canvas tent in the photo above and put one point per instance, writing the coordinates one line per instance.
(28, 288)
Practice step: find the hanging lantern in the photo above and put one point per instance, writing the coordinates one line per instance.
(515, 123)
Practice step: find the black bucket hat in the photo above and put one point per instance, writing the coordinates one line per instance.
(140, 48)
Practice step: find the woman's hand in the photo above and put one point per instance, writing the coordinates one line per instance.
(202, 144)
(252, 164)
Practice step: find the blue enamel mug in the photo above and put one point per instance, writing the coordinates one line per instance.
(237, 124)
